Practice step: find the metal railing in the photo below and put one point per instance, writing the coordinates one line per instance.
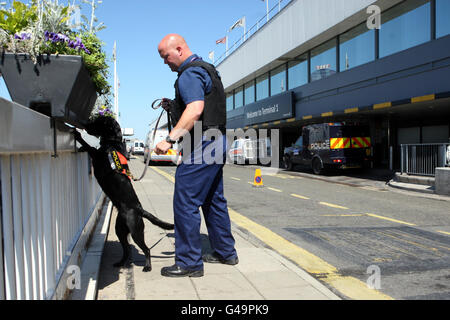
(280, 4)
(423, 159)
(45, 203)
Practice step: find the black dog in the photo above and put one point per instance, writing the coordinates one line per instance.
(112, 177)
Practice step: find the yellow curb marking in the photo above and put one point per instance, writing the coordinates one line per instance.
(349, 286)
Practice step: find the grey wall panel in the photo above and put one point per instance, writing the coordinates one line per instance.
(302, 23)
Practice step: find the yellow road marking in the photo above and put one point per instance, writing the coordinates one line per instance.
(390, 219)
(443, 232)
(343, 215)
(237, 179)
(419, 245)
(276, 190)
(299, 196)
(165, 174)
(333, 205)
(349, 286)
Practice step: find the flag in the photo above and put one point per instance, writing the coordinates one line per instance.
(114, 51)
(239, 23)
(223, 40)
(211, 56)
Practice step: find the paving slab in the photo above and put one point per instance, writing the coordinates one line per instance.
(262, 274)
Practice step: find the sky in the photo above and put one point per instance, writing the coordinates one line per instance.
(139, 25)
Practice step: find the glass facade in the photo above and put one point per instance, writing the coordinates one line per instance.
(230, 103)
(404, 26)
(357, 47)
(278, 80)
(323, 60)
(262, 87)
(249, 92)
(442, 18)
(239, 97)
(298, 71)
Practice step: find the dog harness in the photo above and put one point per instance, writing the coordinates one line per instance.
(119, 163)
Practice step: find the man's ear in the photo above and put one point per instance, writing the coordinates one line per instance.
(180, 51)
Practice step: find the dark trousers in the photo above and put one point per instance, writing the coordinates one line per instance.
(201, 185)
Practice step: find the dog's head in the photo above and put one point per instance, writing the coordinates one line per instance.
(106, 128)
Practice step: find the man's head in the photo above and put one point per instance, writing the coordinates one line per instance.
(174, 50)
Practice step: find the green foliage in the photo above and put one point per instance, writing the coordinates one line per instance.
(95, 62)
(47, 16)
(18, 17)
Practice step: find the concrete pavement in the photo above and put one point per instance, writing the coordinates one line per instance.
(262, 274)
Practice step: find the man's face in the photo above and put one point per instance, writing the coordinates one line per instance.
(171, 57)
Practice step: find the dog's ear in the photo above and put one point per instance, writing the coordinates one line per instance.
(113, 129)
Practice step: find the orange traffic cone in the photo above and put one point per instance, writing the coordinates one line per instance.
(258, 181)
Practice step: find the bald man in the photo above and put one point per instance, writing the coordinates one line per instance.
(199, 100)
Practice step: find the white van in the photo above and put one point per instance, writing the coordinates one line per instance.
(137, 147)
(243, 151)
(173, 155)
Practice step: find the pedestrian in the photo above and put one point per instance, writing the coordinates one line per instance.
(199, 96)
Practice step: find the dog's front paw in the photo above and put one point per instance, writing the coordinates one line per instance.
(147, 269)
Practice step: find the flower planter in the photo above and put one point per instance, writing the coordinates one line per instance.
(57, 86)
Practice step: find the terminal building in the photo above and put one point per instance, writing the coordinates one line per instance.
(322, 61)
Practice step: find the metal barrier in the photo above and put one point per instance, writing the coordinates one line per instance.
(45, 203)
(423, 159)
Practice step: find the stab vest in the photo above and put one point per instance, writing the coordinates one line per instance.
(214, 112)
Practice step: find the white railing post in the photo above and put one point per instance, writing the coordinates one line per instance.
(8, 236)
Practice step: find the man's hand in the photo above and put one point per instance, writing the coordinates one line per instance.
(162, 147)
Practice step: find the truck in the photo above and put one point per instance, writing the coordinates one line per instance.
(330, 145)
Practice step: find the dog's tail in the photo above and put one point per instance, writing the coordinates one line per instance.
(157, 222)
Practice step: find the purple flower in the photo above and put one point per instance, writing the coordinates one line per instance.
(23, 36)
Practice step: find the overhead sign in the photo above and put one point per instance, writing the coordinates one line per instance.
(279, 107)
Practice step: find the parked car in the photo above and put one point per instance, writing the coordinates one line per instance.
(330, 145)
(137, 148)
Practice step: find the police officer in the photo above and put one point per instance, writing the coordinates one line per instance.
(199, 98)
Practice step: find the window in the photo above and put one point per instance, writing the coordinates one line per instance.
(323, 60)
(262, 87)
(442, 20)
(357, 47)
(298, 71)
(404, 26)
(239, 97)
(278, 80)
(249, 89)
(230, 103)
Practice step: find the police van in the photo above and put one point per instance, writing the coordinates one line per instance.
(330, 145)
